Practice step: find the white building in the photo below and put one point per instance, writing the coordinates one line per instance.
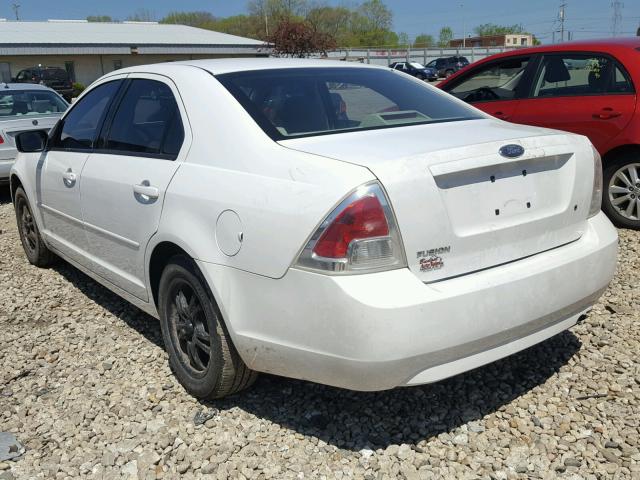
(88, 50)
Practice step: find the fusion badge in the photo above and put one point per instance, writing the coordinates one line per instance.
(432, 259)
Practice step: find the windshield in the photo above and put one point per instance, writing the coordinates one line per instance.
(419, 66)
(297, 102)
(19, 103)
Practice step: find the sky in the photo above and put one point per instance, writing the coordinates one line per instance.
(584, 18)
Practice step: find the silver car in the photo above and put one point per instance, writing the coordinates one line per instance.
(24, 106)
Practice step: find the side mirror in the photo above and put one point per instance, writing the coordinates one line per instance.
(32, 141)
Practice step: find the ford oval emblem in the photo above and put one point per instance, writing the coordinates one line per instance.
(512, 151)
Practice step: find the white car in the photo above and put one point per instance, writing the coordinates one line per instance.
(24, 106)
(345, 224)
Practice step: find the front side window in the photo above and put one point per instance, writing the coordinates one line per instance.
(496, 81)
(30, 103)
(147, 121)
(579, 74)
(296, 102)
(80, 126)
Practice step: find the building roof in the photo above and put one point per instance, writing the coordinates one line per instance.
(56, 37)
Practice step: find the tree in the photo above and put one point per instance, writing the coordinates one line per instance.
(242, 25)
(193, 19)
(403, 40)
(295, 38)
(271, 12)
(334, 21)
(424, 41)
(445, 36)
(376, 15)
(99, 18)
(142, 15)
(489, 29)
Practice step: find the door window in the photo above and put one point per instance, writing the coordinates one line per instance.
(80, 126)
(497, 81)
(147, 121)
(578, 75)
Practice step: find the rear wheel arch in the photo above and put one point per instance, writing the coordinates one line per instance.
(620, 151)
(158, 260)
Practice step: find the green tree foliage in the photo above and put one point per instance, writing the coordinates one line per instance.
(99, 18)
(445, 36)
(193, 19)
(142, 15)
(368, 24)
(489, 29)
(424, 41)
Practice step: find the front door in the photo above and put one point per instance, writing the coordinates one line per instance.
(589, 94)
(496, 87)
(125, 179)
(60, 171)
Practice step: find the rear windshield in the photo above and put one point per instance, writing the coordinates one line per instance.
(298, 102)
(25, 102)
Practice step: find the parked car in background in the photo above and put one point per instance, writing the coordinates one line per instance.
(447, 66)
(22, 108)
(340, 223)
(588, 88)
(417, 70)
(53, 77)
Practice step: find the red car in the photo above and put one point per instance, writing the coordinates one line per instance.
(582, 87)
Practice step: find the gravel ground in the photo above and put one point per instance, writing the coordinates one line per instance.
(86, 388)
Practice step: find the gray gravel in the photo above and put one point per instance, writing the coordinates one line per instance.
(85, 386)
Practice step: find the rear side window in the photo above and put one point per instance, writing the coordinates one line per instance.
(578, 75)
(54, 74)
(80, 127)
(496, 81)
(147, 121)
(296, 102)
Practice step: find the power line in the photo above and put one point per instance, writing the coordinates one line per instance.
(561, 17)
(616, 19)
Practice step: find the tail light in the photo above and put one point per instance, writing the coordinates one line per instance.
(1, 140)
(359, 236)
(596, 195)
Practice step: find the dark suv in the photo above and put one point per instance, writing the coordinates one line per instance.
(416, 69)
(447, 66)
(52, 77)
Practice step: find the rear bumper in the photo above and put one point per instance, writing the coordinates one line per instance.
(379, 331)
(7, 158)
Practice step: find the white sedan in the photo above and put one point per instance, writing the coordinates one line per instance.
(345, 224)
(24, 106)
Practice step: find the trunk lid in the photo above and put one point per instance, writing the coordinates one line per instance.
(461, 206)
(12, 126)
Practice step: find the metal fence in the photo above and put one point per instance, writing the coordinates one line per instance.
(385, 56)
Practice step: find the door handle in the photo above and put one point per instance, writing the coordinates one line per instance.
(501, 116)
(146, 190)
(606, 113)
(69, 178)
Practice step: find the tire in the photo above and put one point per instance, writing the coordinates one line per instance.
(34, 248)
(200, 350)
(622, 207)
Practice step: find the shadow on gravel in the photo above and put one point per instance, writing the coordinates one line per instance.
(356, 420)
(5, 194)
(135, 318)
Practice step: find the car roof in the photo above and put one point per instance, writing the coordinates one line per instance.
(605, 44)
(6, 87)
(220, 66)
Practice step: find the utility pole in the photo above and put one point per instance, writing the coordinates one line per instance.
(16, 10)
(616, 19)
(561, 16)
(464, 27)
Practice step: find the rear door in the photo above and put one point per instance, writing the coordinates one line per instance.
(126, 177)
(586, 93)
(59, 174)
(496, 87)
